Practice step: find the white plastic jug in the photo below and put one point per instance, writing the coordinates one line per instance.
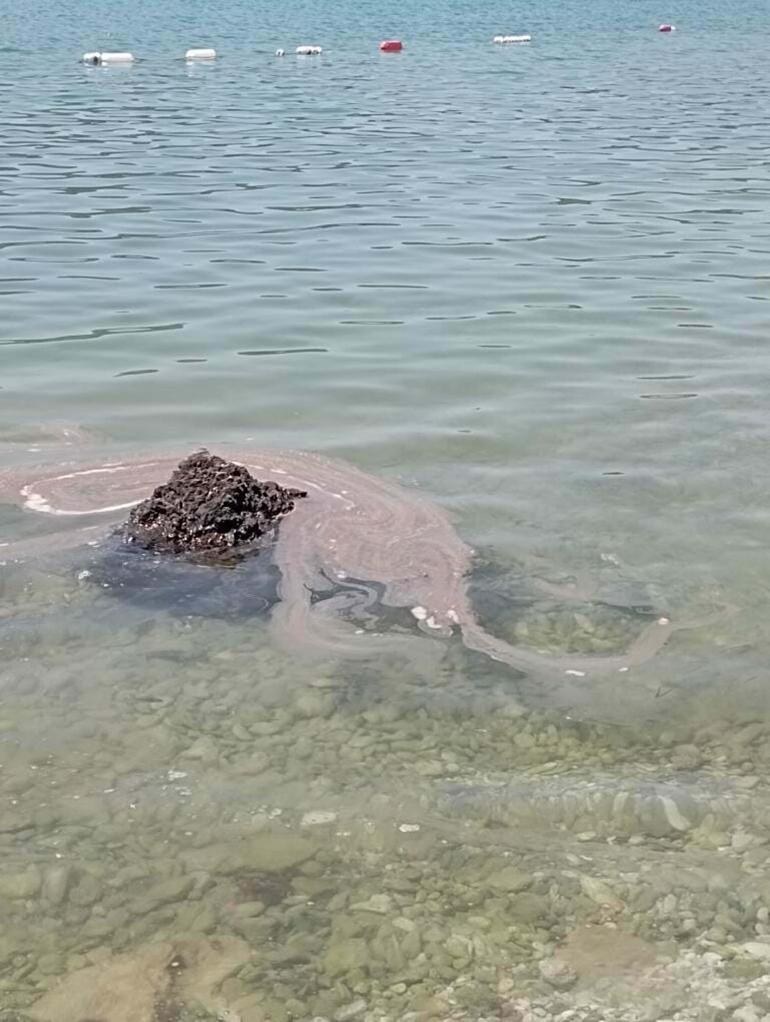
(108, 58)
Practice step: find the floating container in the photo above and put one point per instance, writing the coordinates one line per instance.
(667, 28)
(308, 51)
(391, 46)
(280, 53)
(108, 58)
(204, 54)
(512, 39)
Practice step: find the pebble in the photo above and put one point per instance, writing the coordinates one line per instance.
(318, 818)
(381, 904)
(56, 882)
(557, 973)
(350, 1011)
(509, 879)
(757, 950)
(600, 892)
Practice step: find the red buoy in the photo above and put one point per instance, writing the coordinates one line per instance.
(391, 46)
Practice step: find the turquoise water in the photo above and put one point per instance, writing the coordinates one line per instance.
(528, 281)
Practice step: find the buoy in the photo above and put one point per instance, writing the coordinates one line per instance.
(280, 53)
(308, 51)
(667, 28)
(205, 54)
(391, 46)
(512, 39)
(108, 58)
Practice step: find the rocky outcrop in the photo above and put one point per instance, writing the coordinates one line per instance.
(208, 505)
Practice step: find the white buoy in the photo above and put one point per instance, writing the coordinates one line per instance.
(308, 51)
(512, 39)
(108, 58)
(280, 53)
(204, 54)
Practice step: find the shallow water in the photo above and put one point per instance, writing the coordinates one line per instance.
(528, 282)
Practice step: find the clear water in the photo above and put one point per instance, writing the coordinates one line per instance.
(529, 281)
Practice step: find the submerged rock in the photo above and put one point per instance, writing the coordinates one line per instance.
(179, 585)
(148, 984)
(208, 504)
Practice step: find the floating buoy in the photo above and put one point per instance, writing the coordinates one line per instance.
(204, 54)
(391, 46)
(667, 28)
(280, 53)
(512, 39)
(308, 51)
(108, 58)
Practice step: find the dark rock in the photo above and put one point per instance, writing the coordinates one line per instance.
(209, 505)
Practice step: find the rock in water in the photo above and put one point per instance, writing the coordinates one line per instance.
(208, 505)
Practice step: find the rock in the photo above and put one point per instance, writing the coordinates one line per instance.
(600, 893)
(350, 1011)
(757, 950)
(121, 988)
(164, 893)
(318, 818)
(345, 956)
(203, 749)
(314, 703)
(20, 885)
(529, 908)
(686, 757)
(56, 881)
(249, 909)
(379, 903)
(267, 852)
(247, 1009)
(205, 966)
(509, 879)
(209, 504)
(557, 973)
(136, 986)
(523, 740)
(459, 947)
(87, 891)
(256, 763)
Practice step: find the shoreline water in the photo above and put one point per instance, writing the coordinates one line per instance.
(525, 284)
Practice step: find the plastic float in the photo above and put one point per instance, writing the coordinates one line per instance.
(504, 39)
(204, 54)
(666, 28)
(391, 46)
(308, 51)
(98, 58)
(280, 53)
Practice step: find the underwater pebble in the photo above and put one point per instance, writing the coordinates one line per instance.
(350, 1011)
(557, 973)
(757, 950)
(600, 892)
(381, 904)
(317, 818)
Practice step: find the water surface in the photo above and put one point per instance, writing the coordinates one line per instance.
(529, 281)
